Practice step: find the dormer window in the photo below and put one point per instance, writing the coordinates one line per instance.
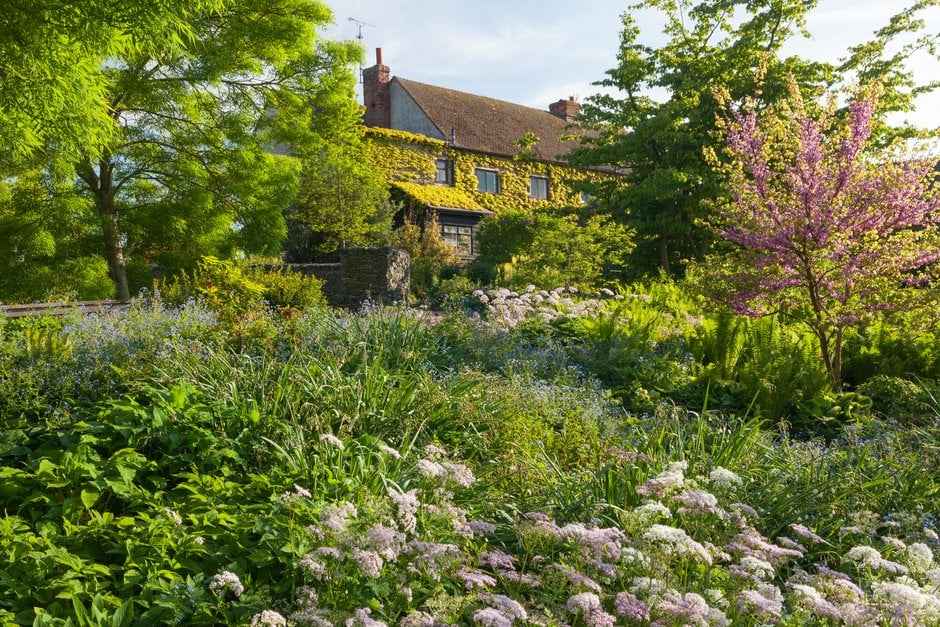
(538, 187)
(444, 173)
(487, 180)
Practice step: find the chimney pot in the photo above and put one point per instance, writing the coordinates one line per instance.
(378, 56)
(567, 110)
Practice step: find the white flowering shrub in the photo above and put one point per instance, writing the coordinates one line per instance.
(505, 309)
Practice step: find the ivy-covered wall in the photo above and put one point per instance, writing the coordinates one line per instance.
(408, 161)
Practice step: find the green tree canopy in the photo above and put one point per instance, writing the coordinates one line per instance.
(344, 199)
(551, 248)
(52, 91)
(732, 46)
(201, 111)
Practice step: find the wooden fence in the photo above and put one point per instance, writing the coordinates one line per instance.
(61, 309)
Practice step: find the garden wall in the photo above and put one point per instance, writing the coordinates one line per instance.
(381, 274)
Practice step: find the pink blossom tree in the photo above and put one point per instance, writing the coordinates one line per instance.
(823, 231)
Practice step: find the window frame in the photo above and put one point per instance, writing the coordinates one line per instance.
(448, 171)
(488, 171)
(461, 237)
(540, 178)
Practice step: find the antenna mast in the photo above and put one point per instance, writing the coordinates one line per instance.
(360, 24)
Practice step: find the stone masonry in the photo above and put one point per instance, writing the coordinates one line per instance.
(378, 274)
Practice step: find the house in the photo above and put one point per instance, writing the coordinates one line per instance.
(463, 156)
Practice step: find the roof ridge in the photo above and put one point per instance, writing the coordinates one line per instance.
(482, 97)
(487, 124)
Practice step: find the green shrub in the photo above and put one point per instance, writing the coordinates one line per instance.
(451, 290)
(283, 288)
(519, 248)
(762, 365)
(223, 285)
(430, 254)
(899, 399)
(894, 347)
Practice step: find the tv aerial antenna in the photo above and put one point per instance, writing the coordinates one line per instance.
(359, 25)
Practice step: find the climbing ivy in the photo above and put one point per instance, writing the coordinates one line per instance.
(408, 161)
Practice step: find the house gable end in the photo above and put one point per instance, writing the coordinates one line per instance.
(407, 114)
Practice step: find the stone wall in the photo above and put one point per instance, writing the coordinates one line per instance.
(330, 273)
(379, 274)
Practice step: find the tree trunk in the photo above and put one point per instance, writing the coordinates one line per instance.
(114, 251)
(663, 243)
(837, 362)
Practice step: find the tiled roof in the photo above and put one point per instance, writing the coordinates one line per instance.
(490, 125)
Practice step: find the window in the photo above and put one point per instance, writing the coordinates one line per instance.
(445, 171)
(460, 237)
(487, 181)
(538, 187)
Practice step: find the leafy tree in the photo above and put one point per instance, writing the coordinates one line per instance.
(550, 249)
(344, 198)
(885, 60)
(52, 88)
(188, 169)
(48, 239)
(656, 141)
(825, 233)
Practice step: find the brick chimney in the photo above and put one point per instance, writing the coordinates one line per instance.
(375, 93)
(567, 110)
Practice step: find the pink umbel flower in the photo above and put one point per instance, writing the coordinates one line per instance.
(698, 502)
(386, 541)
(491, 617)
(362, 618)
(806, 533)
(766, 602)
(369, 562)
(588, 605)
(673, 540)
(226, 581)
(420, 619)
(475, 579)
(510, 608)
(630, 607)
(407, 505)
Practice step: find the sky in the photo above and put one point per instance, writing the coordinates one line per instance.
(534, 52)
